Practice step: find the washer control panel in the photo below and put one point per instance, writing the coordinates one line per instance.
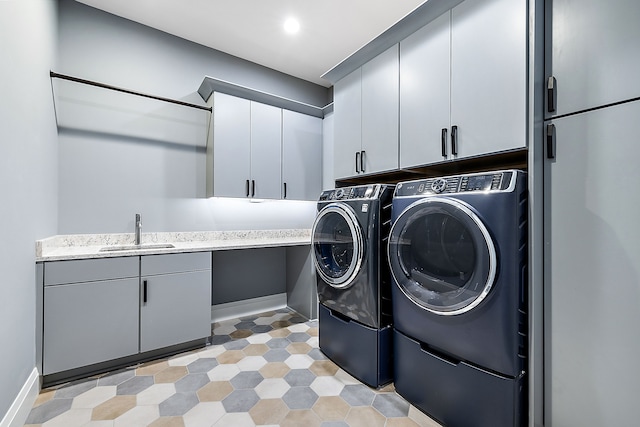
(478, 182)
(358, 192)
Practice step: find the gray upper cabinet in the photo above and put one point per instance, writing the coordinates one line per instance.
(489, 76)
(366, 117)
(176, 299)
(231, 148)
(463, 83)
(301, 156)
(593, 53)
(266, 140)
(347, 116)
(424, 94)
(261, 151)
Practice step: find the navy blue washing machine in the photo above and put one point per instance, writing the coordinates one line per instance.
(458, 258)
(349, 239)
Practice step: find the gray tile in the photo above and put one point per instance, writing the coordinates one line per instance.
(191, 382)
(135, 385)
(298, 337)
(357, 395)
(245, 324)
(240, 401)
(48, 410)
(116, 377)
(259, 329)
(220, 339)
(247, 379)
(278, 343)
(297, 319)
(236, 345)
(391, 405)
(300, 398)
(75, 388)
(202, 365)
(316, 354)
(299, 377)
(178, 404)
(276, 355)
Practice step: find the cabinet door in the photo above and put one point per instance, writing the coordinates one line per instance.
(593, 52)
(177, 309)
(266, 146)
(231, 145)
(592, 270)
(424, 94)
(347, 113)
(301, 156)
(488, 75)
(91, 322)
(380, 98)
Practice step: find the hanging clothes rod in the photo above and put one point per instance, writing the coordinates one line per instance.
(131, 92)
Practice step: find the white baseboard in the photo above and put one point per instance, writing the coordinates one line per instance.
(19, 410)
(236, 309)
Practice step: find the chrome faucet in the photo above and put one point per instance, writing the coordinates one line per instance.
(138, 239)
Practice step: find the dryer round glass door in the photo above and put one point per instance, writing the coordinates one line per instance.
(441, 256)
(337, 244)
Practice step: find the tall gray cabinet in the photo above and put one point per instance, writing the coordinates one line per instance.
(592, 273)
(463, 83)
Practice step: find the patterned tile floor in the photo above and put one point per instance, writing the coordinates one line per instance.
(263, 370)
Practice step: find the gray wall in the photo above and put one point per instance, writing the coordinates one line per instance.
(119, 155)
(27, 178)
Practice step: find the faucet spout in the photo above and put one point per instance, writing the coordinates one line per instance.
(138, 239)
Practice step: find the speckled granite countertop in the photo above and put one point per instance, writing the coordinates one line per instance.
(84, 246)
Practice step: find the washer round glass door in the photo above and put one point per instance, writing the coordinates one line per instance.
(442, 256)
(337, 244)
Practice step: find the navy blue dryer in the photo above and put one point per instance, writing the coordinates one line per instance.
(349, 240)
(458, 256)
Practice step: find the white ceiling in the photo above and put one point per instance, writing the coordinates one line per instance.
(330, 30)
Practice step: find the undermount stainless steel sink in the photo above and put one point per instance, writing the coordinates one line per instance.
(137, 247)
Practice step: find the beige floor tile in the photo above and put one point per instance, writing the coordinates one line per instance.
(94, 397)
(204, 414)
(113, 408)
(275, 370)
(170, 374)
(422, 419)
(299, 348)
(280, 333)
(71, 418)
(156, 394)
(215, 391)
(365, 416)
(280, 324)
(401, 422)
(152, 368)
(345, 378)
(231, 356)
(255, 349)
(44, 396)
(314, 332)
(138, 416)
(331, 408)
(269, 411)
(323, 367)
(240, 333)
(168, 422)
(305, 417)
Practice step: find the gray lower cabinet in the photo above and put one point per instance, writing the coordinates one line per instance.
(98, 310)
(90, 312)
(176, 295)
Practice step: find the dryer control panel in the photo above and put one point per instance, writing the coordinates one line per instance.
(358, 192)
(477, 182)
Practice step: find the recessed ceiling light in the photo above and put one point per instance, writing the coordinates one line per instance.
(291, 26)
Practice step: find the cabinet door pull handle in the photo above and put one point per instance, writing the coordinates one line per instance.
(454, 140)
(362, 162)
(253, 187)
(551, 141)
(551, 94)
(357, 162)
(285, 190)
(144, 291)
(443, 141)
(247, 188)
